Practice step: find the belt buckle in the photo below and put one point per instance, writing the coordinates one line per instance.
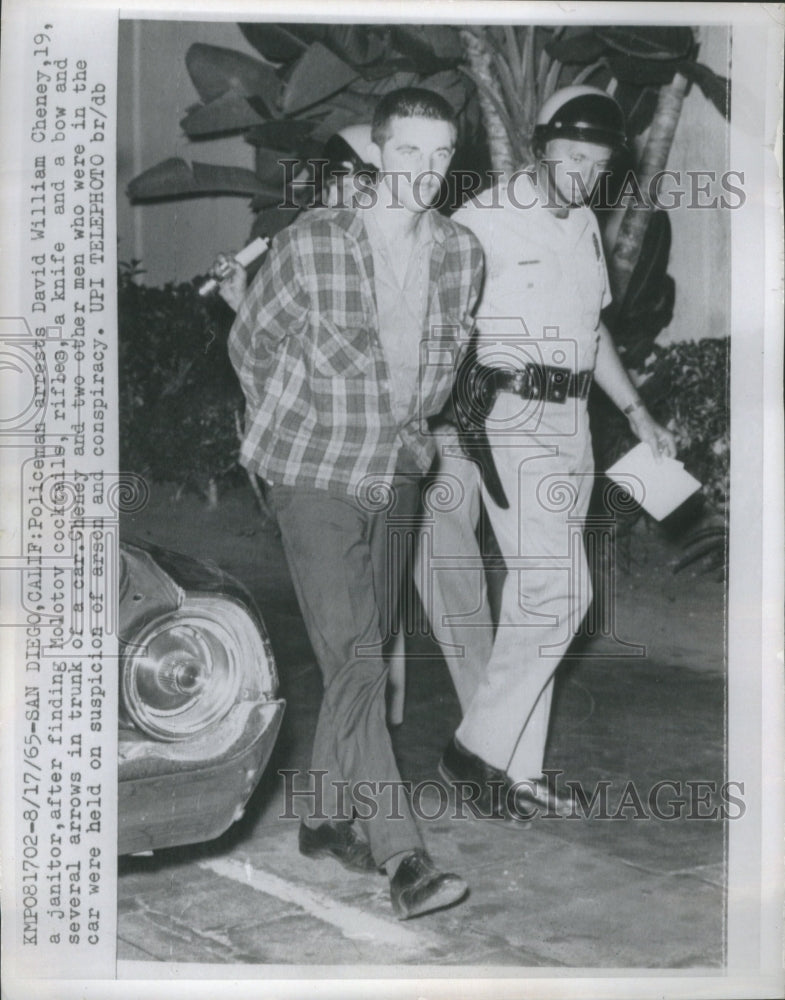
(557, 384)
(534, 381)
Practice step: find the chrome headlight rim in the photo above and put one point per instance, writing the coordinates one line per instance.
(188, 667)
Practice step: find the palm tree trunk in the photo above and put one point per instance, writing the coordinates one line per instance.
(479, 59)
(629, 241)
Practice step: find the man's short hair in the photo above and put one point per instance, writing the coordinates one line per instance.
(409, 102)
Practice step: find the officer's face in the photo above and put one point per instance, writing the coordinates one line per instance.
(414, 159)
(573, 169)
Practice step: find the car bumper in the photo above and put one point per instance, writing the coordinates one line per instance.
(165, 802)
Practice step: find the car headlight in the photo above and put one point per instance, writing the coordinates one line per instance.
(188, 668)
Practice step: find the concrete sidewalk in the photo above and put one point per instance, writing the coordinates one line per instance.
(631, 888)
(629, 891)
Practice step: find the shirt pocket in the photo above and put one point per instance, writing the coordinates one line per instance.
(338, 350)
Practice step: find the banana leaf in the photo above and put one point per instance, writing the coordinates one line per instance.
(417, 44)
(355, 107)
(215, 70)
(647, 307)
(231, 112)
(393, 78)
(357, 44)
(295, 136)
(444, 40)
(643, 72)
(453, 87)
(334, 120)
(638, 105)
(582, 48)
(174, 178)
(282, 43)
(269, 170)
(642, 42)
(656, 72)
(318, 74)
(715, 88)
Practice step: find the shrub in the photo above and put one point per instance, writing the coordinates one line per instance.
(686, 388)
(178, 393)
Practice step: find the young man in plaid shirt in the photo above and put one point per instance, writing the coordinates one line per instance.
(345, 345)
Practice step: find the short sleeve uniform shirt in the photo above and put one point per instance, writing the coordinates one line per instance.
(546, 279)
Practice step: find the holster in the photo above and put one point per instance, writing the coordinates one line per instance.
(473, 396)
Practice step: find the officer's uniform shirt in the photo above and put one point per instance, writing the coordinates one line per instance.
(545, 278)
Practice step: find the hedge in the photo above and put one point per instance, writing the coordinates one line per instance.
(179, 397)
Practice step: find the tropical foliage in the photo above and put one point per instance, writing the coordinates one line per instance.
(517, 68)
(312, 81)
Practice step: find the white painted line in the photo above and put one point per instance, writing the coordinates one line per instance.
(351, 921)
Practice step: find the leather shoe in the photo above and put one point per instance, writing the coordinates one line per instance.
(526, 799)
(486, 784)
(417, 887)
(339, 841)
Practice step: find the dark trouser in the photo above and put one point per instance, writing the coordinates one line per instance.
(341, 562)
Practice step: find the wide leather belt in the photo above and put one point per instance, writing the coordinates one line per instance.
(554, 385)
(474, 394)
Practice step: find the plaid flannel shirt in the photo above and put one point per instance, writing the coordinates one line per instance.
(306, 349)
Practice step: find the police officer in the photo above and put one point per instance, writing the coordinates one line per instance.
(540, 344)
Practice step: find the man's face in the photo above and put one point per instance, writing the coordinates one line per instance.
(574, 168)
(418, 152)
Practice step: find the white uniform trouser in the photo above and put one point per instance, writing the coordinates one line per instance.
(450, 573)
(547, 474)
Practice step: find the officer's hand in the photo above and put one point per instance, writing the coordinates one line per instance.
(232, 279)
(658, 438)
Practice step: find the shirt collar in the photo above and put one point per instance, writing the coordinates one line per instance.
(351, 220)
(574, 223)
(425, 231)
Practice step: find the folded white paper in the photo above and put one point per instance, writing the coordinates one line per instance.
(659, 487)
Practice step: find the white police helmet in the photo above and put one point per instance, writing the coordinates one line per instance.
(585, 113)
